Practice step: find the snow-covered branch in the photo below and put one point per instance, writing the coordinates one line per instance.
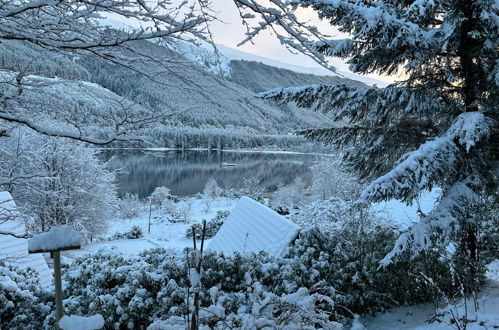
(440, 224)
(80, 28)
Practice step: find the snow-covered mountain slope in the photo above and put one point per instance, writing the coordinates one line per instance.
(201, 99)
(234, 54)
(89, 88)
(260, 77)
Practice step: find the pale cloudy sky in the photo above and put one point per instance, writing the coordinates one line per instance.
(232, 32)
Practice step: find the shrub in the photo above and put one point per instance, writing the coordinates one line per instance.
(129, 205)
(23, 304)
(134, 233)
(212, 226)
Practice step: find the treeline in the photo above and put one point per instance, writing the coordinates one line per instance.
(214, 138)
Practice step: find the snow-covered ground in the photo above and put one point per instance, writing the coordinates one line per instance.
(171, 235)
(404, 216)
(164, 233)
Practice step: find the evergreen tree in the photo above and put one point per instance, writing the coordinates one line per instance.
(437, 127)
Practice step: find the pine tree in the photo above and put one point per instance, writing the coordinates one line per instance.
(436, 128)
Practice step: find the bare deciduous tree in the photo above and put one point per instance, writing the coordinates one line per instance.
(80, 28)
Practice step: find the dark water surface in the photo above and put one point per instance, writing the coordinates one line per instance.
(186, 172)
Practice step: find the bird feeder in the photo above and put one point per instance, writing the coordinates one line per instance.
(57, 239)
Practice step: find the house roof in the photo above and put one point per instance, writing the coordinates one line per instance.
(15, 250)
(253, 227)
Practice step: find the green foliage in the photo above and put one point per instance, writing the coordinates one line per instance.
(134, 233)
(23, 304)
(343, 268)
(212, 226)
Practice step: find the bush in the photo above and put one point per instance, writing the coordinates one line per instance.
(129, 205)
(317, 275)
(134, 233)
(23, 304)
(212, 226)
(326, 276)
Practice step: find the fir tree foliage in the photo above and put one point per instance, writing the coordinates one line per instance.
(436, 128)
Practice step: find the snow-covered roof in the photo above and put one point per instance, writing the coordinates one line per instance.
(253, 227)
(15, 250)
(57, 238)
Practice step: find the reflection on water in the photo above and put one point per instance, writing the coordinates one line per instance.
(186, 172)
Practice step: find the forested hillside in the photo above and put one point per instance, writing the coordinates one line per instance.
(196, 104)
(260, 77)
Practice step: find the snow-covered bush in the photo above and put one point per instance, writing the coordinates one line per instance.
(211, 192)
(23, 304)
(330, 180)
(251, 188)
(57, 181)
(134, 233)
(162, 197)
(129, 205)
(289, 197)
(211, 189)
(334, 214)
(323, 278)
(212, 226)
(134, 292)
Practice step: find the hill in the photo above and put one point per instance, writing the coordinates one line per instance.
(206, 107)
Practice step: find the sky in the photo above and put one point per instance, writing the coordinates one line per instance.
(231, 32)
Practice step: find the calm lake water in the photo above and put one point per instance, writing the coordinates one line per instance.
(186, 172)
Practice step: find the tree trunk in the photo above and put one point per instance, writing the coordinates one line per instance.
(470, 70)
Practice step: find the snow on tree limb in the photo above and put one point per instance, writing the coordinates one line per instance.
(469, 128)
(81, 28)
(432, 162)
(440, 224)
(121, 136)
(418, 170)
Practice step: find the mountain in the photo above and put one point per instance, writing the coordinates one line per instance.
(206, 106)
(259, 77)
(232, 54)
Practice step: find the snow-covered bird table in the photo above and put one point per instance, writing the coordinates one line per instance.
(57, 239)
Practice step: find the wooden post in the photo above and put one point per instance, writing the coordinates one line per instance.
(195, 312)
(150, 211)
(58, 285)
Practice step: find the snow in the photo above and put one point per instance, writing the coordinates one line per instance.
(74, 322)
(403, 215)
(414, 173)
(8, 284)
(129, 247)
(417, 317)
(164, 233)
(492, 272)
(173, 323)
(194, 278)
(15, 250)
(253, 227)
(235, 54)
(56, 238)
(470, 128)
(7, 203)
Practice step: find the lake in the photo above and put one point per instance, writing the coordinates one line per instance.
(186, 172)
